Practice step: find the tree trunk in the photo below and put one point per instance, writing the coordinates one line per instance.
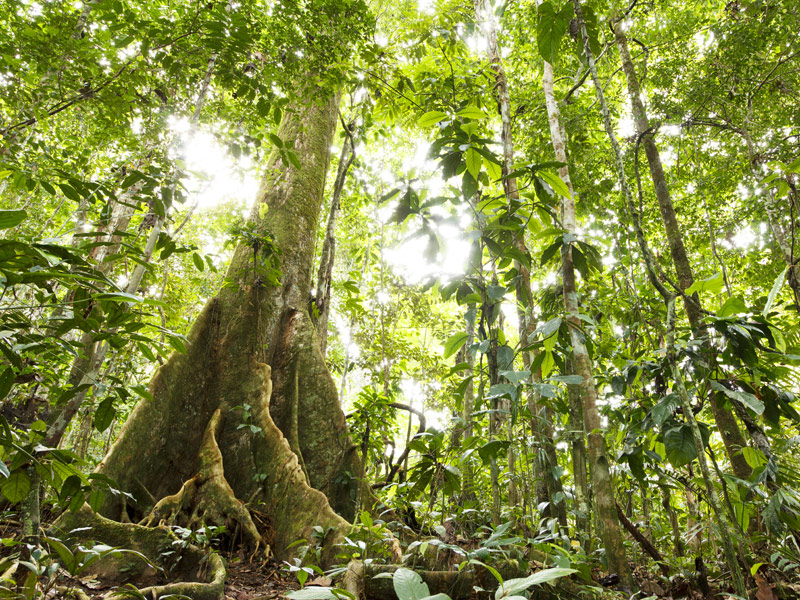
(583, 513)
(253, 355)
(322, 298)
(523, 287)
(726, 422)
(598, 459)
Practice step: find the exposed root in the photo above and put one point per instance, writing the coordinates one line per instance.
(71, 592)
(207, 498)
(198, 575)
(212, 590)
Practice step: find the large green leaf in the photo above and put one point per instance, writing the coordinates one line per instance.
(6, 381)
(712, 285)
(551, 29)
(474, 161)
(454, 343)
(732, 306)
(746, 398)
(16, 486)
(679, 445)
(11, 218)
(664, 409)
(105, 414)
(431, 118)
(555, 182)
(408, 585)
(493, 449)
(514, 586)
(471, 112)
(773, 293)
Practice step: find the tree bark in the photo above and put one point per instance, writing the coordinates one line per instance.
(726, 422)
(523, 288)
(253, 354)
(322, 298)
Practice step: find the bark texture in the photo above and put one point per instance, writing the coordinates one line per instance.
(581, 361)
(253, 360)
(541, 425)
(723, 416)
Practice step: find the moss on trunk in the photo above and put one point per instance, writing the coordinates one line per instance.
(215, 442)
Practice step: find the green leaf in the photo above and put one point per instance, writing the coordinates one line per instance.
(293, 159)
(551, 29)
(431, 118)
(664, 409)
(732, 306)
(16, 486)
(104, 415)
(712, 285)
(70, 192)
(454, 343)
(555, 182)
(513, 586)
(494, 170)
(754, 457)
(6, 382)
(550, 327)
(11, 218)
(776, 287)
(96, 499)
(408, 585)
(474, 161)
(679, 445)
(120, 297)
(471, 112)
(493, 449)
(498, 390)
(550, 252)
(198, 261)
(749, 400)
(496, 292)
(68, 559)
(469, 185)
(278, 142)
(547, 363)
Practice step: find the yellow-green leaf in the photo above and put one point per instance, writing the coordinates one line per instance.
(431, 118)
(16, 486)
(471, 112)
(712, 285)
(474, 161)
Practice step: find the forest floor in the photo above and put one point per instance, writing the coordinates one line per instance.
(252, 581)
(245, 581)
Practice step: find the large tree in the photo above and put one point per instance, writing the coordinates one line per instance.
(248, 416)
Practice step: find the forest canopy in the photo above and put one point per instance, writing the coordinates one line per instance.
(471, 295)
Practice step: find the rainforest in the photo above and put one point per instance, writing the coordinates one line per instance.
(399, 299)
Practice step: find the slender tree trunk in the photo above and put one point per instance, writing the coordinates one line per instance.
(726, 422)
(725, 537)
(523, 288)
(666, 502)
(582, 364)
(322, 297)
(466, 356)
(583, 502)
